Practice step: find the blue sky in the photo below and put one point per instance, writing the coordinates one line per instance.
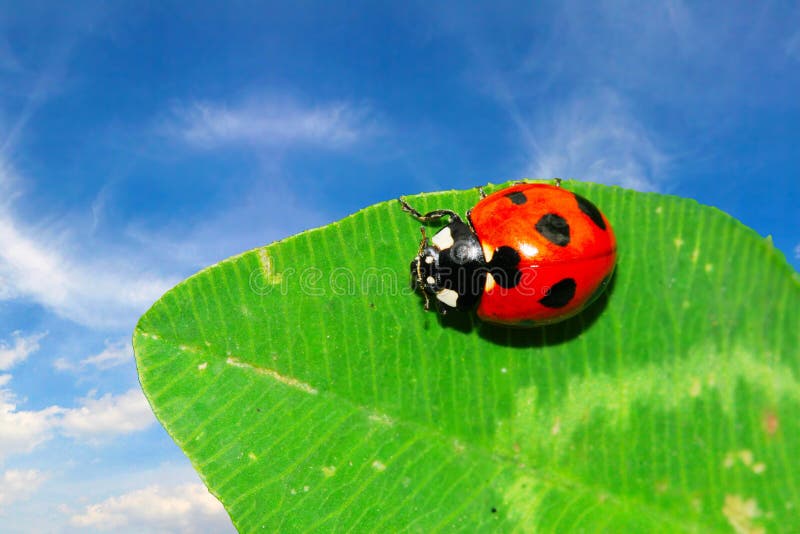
(140, 142)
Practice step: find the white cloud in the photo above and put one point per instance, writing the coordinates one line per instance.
(94, 420)
(19, 485)
(22, 431)
(596, 139)
(269, 122)
(108, 416)
(182, 508)
(10, 355)
(116, 353)
(43, 266)
(63, 364)
(37, 263)
(101, 293)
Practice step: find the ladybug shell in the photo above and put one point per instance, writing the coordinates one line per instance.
(552, 252)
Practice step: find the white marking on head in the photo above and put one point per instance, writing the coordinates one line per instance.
(490, 282)
(428, 259)
(443, 238)
(448, 296)
(430, 280)
(488, 252)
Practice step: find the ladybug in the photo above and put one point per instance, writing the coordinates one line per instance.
(528, 255)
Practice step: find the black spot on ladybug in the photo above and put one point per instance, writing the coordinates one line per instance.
(503, 267)
(517, 197)
(554, 228)
(591, 211)
(560, 294)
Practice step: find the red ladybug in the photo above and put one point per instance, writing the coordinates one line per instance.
(532, 254)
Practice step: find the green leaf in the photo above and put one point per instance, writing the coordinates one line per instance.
(312, 392)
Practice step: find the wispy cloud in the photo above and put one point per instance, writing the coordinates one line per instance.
(22, 347)
(8, 59)
(38, 70)
(38, 264)
(115, 353)
(104, 292)
(263, 213)
(182, 508)
(269, 121)
(792, 46)
(596, 139)
(19, 485)
(590, 134)
(8, 185)
(44, 267)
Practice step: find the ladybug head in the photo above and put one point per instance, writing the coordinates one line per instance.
(451, 268)
(424, 271)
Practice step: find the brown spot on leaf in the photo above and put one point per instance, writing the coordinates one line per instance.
(770, 422)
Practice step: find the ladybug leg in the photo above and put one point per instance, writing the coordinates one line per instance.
(557, 182)
(434, 215)
(422, 244)
(469, 220)
(481, 192)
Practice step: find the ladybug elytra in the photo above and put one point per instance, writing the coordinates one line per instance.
(528, 255)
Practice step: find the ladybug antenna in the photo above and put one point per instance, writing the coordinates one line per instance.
(434, 215)
(424, 242)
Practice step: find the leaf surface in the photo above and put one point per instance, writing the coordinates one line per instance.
(312, 392)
